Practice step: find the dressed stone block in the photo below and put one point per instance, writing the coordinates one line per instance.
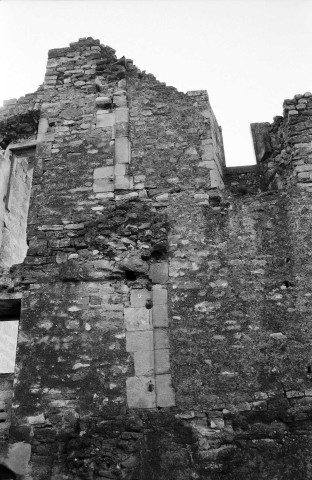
(137, 318)
(141, 392)
(122, 182)
(161, 338)
(159, 272)
(104, 119)
(121, 169)
(144, 363)
(103, 185)
(139, 297)
(162, 363)
(164, 392)
(122, 150)
(122, 115)
(160, 316)
(160, 295)
(104, 172)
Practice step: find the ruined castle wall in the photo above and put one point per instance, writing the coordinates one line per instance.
(165, 324)
(283, 148)
(98, 257)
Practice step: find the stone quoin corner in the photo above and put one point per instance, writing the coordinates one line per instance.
(161, 301)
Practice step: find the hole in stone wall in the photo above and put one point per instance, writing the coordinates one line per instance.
(287, 283)
(6, 473)
(287, 260)
(214, 201)
(149, 304)
(309, 369)
(158, 254)
(10, 310)
(241, 190)
(130, 275)
(5, 141)
(151, 387)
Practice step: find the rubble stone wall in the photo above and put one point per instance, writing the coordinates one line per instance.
(165, 324)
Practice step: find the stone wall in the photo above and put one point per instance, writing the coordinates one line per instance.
(166, 307)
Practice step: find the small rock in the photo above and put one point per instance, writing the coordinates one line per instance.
(278, 336)
(134, 264)
(130, 462)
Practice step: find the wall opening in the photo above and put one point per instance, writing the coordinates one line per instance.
(10, 311)
(17, 165)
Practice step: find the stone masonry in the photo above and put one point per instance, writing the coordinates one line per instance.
(164, 299)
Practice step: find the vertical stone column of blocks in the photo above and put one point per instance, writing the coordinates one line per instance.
(115, 177)
(103, 177)
(148, 341)
(140, 342)
(123, 181)
(159, 274)
(44, 139)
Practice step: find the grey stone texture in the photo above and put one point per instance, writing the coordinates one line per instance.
(159, 272)
(122, 150)
(166, 302)
(141, 392)
(139, 341)
(137, 318)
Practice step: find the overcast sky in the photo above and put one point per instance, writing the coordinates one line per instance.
(248, 54)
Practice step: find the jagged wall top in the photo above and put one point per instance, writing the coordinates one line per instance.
(283, 148)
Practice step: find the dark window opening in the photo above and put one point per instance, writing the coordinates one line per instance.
(10, 309)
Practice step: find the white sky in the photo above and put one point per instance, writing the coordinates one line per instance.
(249, 54)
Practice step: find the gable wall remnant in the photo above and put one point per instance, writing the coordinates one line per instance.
(165, 318)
